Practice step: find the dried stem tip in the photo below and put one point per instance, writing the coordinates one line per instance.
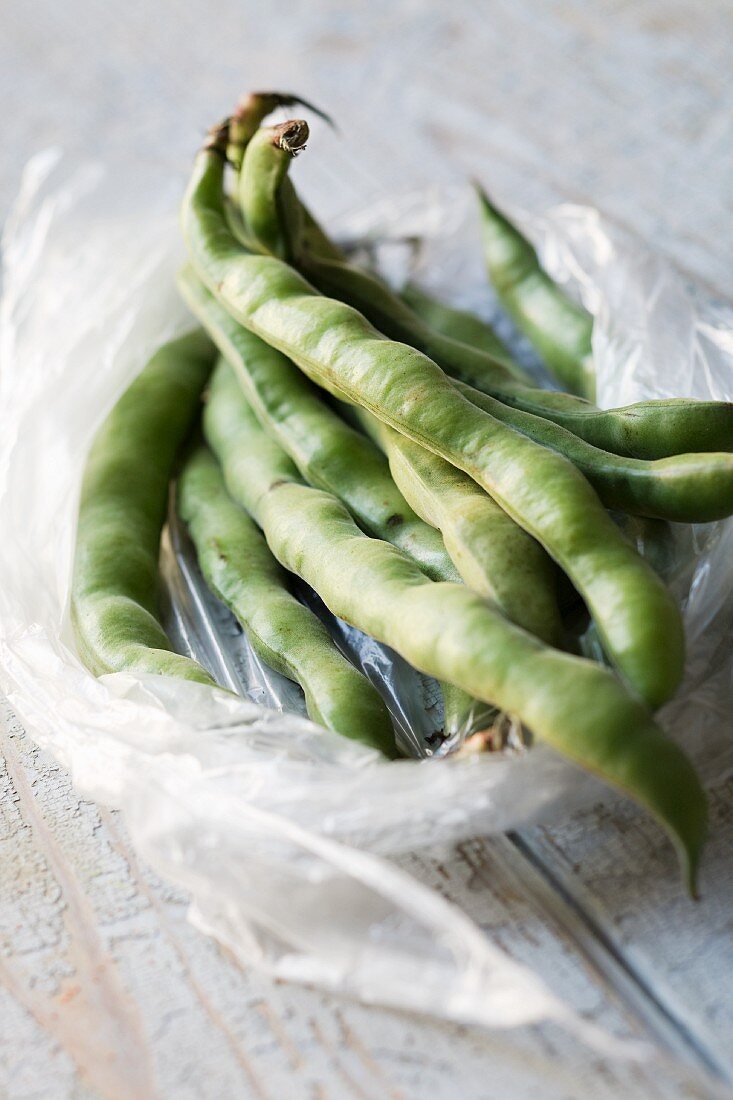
(260, 104)
(218, 137)
(291, 136)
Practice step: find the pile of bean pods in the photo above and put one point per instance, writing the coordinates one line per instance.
(389, 451)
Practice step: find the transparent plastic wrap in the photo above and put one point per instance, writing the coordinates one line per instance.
(280, 830)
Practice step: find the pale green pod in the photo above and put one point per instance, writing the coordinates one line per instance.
(447, 631)
(333, 344)
(271, 214)
(240, 569)
(124, 497)
(328, 453)
(494, 556)
(557, 327)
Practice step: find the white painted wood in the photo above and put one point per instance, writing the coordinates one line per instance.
(105, 990)
(627, 105)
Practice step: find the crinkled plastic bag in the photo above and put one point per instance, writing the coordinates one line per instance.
(280, 830)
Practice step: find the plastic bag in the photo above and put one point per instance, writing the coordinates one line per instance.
(279, 829)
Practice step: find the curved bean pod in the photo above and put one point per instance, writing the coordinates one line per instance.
(652, 538)
(558, 328)
(271, 210)
(239, 568)
(272, 214)
(443, 629)
(243, 125)
(495, 557)
(647, 429)
(114, 588)
(504, 563)
(334, 345)
(326, 451)
(686, 488)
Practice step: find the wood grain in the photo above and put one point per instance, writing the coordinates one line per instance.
(105, 990)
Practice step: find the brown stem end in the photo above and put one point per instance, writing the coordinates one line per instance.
(291, 136)
(217, 138)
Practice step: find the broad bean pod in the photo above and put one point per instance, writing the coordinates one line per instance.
(326, 451)
(274, 218)
(240, 569)
(243, 125)
(114, 588)
(272, 215)
(688, 488)
(445, 630)
(647, 429)
(558, 328)
(336, 347)
(685, 488)
(501, 561)
(494, 556)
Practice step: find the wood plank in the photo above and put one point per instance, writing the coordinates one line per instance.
(105, 990)
(619, 873)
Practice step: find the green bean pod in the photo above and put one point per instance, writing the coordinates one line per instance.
(495, 557)
(445, 630)
(240, 569)
(114, 588)
(647, 429)
(272, 215)
(270, 171)
(334, 345)
(327, 452)
(686, 488)
(558, 328)
(504, 563)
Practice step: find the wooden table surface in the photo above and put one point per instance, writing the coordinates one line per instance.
(105, 989)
